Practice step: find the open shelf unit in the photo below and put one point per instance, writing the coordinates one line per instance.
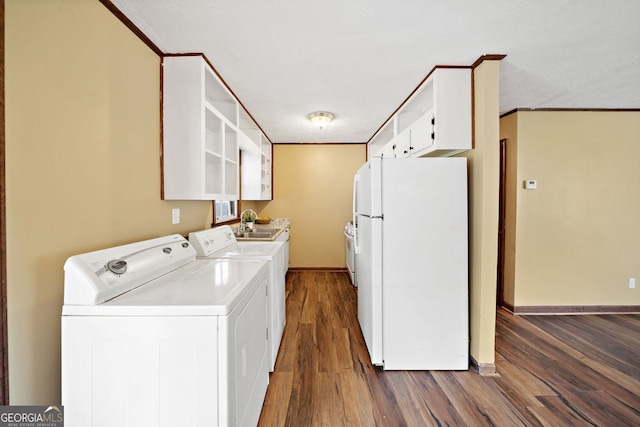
(200, 132)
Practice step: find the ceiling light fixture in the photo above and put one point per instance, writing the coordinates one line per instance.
(321, 118)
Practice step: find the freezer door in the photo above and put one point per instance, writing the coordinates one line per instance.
(367, 189)
(369, 282)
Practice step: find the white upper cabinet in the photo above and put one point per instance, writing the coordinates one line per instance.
(256, 161)
(434, 121)
(381, 145)
(266, 167)
(200, 132)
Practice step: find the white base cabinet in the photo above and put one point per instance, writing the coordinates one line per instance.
(285, 237)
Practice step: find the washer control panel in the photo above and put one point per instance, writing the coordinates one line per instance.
(208, 242)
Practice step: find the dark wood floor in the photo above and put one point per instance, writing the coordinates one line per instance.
(554, 371)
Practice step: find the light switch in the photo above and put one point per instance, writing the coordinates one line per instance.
(175, 216)
(530, 184)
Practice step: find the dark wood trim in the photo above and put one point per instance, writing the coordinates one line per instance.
(575, 309)
(483, 369)
(161, 130)
(337, 269)
(507, 307)
(188, 54)
(502, 214)
(4, 345)
(490, 57)
(273, 160)
(130, 25)
(473, 108)
(596, 110)
(515, 110)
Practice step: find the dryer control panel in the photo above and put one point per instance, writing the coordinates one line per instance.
(95, 277)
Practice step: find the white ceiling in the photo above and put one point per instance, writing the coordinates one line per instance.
(360, 59)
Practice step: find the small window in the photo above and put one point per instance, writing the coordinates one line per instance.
(225, 210)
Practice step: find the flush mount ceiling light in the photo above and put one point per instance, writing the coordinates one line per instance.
(321, 118)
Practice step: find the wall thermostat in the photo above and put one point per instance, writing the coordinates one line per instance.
(530, 184)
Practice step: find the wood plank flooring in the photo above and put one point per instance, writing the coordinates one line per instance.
(554, 371)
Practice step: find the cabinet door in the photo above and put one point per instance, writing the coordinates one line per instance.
(388, 150)
(403, 144)
(422, 133)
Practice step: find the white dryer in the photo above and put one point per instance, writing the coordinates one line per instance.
(152, 337)
(221, 243)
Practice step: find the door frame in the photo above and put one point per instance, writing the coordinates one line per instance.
(4, 347)
(501, 223)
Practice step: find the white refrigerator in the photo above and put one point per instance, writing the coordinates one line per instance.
(412, 262)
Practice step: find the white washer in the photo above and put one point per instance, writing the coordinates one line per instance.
(152, 337)
(221, 243)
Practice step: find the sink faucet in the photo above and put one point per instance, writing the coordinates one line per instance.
(242, 221)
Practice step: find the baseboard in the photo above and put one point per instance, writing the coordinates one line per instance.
(574, 309)
(483, 369)
(329, 269)
(507, 306)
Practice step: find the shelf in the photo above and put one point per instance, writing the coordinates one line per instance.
(219, 97)
(213, 132)
(213, 174)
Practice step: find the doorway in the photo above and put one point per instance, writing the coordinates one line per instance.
(501, 223)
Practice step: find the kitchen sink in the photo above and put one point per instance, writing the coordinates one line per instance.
(262, 233)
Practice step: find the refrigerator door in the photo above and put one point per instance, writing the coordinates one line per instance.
(367, 191)
(425, 278)
(369, 282)
(367, 211)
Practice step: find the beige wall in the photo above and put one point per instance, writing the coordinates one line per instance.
(483, 212)
(83, 170)
(576, 235)
(313, 186)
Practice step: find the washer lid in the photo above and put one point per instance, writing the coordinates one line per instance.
(201, 288)
(249, 250)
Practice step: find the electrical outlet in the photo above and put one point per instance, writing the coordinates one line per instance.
(175, 216)
(632, 282)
